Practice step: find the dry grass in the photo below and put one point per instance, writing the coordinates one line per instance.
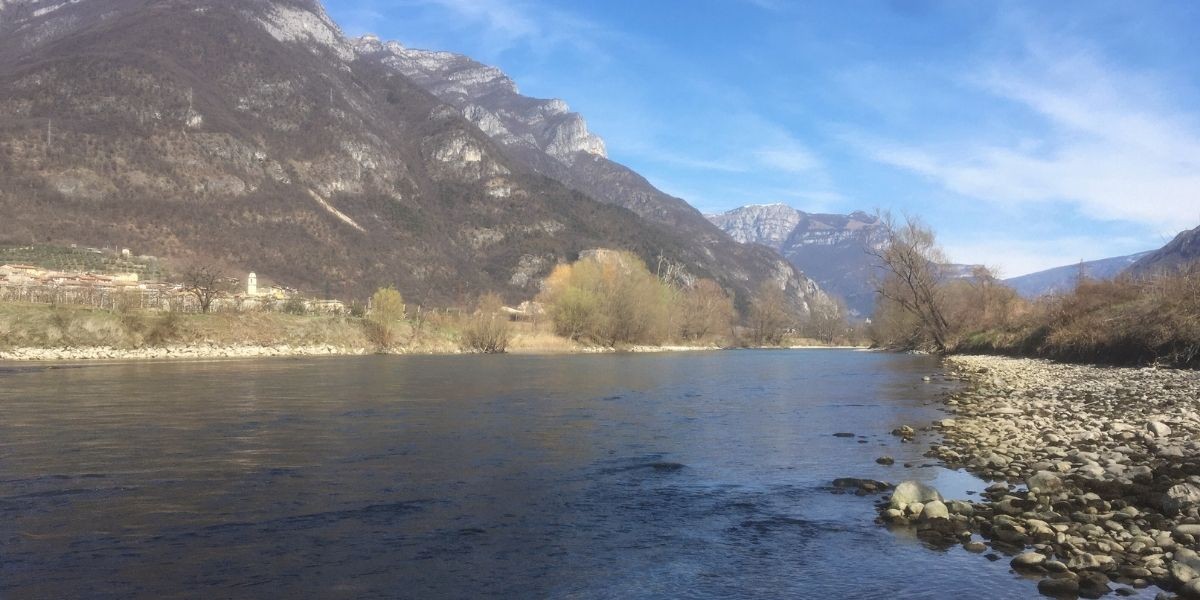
(533, 338)
(1125, 321)
(41, 326)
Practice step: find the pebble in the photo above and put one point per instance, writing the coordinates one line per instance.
(1092, 468)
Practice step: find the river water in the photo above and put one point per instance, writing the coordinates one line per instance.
(693, 475)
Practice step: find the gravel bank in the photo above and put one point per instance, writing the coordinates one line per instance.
(1097, 471)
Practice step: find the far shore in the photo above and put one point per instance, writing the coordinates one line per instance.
(243, 351)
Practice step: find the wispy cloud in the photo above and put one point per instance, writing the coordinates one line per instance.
(771, 5)
(507, 24)
(790, 158)
(1101, 138)
(1017, 257)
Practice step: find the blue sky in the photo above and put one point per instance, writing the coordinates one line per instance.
(1029, 134)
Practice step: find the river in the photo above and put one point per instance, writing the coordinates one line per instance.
(690, 475)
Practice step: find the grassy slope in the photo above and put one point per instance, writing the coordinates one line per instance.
(1110, 322)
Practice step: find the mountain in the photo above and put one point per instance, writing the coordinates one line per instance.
(831, 249)
(1062, 279)
(554, 141)
(1181, 251)
(253, 133)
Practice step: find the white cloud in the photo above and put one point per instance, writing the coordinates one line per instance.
(1018, 257)
(501, 18)
(1097, 137)
(508, 23)
(791, 158)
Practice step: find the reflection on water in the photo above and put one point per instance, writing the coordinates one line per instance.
(681, 476)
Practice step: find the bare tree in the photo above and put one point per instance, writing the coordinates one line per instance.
(703, 310)
(205, 282)
(826, 320)
(911, 274)
(769, 315)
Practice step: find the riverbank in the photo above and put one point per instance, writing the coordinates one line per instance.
(1098, 471)
(36, 332)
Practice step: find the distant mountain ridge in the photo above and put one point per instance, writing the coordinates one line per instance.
(1062, 279)
(829, 248)
(1180, 251)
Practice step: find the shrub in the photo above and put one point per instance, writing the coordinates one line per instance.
(295, 306)
(609, 297)
(387, 309)
(488, 330)
(165, 329)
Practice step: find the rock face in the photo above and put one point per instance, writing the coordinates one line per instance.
(255, 135)
(548, 137)
(831, 249)
(489, 98)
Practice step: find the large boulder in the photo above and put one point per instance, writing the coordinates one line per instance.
(1158, 428)
(911, 492)
(1181, 496)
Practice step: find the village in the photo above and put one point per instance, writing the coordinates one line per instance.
(99, 283)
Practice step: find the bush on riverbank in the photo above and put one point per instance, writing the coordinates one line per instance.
(488, 330)
(608, 298)
(1123, 321)
(383, 320)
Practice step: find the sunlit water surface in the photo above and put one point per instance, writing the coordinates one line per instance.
(696, 475)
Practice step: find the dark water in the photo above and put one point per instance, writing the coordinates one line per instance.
(649, 476)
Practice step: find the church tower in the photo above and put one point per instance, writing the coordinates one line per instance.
(252, 285)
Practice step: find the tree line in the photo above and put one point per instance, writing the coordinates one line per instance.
(924, 304)
(610, 298)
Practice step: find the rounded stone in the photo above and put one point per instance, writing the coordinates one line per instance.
(1058, 587)
(910, 492)
(1027, 560)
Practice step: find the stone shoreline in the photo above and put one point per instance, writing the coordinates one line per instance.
(1097, 471)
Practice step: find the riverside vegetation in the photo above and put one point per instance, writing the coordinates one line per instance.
(605, 300)
(1146, 319)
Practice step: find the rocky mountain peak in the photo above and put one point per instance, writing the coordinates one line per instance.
(303, 21)
(830, 248)
(545, 125)
(766, 224)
